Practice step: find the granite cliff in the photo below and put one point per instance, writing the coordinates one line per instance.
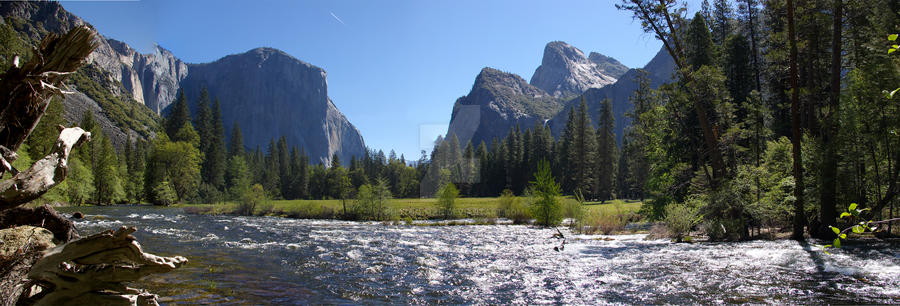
(267, 91)
(270, 94)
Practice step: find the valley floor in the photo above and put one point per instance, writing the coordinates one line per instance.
(400, 209)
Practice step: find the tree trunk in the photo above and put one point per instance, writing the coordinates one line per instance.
(827, 200)
(799, 217)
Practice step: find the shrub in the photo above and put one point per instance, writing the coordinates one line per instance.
(164, 194)
(595, 221)
(511, 207)
(250, 200)
(574, 209)
(446, 198)
(682, 217)
(370, 202)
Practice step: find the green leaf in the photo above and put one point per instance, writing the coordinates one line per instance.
(891, 51)
(843, 236)
(835, 230)
(892, 37)
(891, 95)
(852, 206)
(825, 249)
(837, 243)
(858, 229)
(845, 214)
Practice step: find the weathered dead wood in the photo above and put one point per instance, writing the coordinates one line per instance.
(25, 91)
(91, 271)
(43, 174)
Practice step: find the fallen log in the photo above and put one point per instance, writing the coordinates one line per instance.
(92, 270)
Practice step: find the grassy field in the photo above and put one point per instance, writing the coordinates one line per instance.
(400, 209)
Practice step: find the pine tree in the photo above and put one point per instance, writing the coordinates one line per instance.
(565, 159)
(607, 152)
(738, 71)
(722, 16)
(480, 173)
(700, 48)
(303, 173)
(236, 146)
(107, 185)
(203, 123)
(179, 116)
(285, 170)
(272, 171)
(238, 177)
(215, 154)
(583, 153)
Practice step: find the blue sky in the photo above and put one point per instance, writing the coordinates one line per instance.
(395, 68)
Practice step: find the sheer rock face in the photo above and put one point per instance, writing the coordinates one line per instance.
(151, 79)
(270, 94)
(565, 71)
(497, 102)
(267, 91)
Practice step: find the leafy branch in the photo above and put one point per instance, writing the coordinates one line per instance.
(863, 226)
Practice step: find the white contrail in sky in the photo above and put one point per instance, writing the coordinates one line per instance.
(336, 18)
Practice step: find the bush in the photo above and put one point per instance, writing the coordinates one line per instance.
(682, 217)
(574, 209)
(446, 198)
(511, 207)
(164, 194)
(595, 221)
(255, 196)
(370, 202)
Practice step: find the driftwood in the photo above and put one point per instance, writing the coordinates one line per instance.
(44, 174)
(88, 271)
(25, 91)
(92, 270)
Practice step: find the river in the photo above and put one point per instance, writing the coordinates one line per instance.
(268, 260)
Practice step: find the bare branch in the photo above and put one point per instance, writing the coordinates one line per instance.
(44, 174)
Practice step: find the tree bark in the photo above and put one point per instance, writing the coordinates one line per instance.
(799, 216)
(827, 196)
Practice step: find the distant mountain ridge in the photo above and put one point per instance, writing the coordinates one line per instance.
(500, 101)
(660, 70)
(119, 78)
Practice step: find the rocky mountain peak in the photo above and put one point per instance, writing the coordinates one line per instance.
(566, 71)
(499, 100)
(608, 65)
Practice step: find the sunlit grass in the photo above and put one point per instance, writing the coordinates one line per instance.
(409, 208)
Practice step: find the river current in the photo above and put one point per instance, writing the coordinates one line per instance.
(268, 260)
